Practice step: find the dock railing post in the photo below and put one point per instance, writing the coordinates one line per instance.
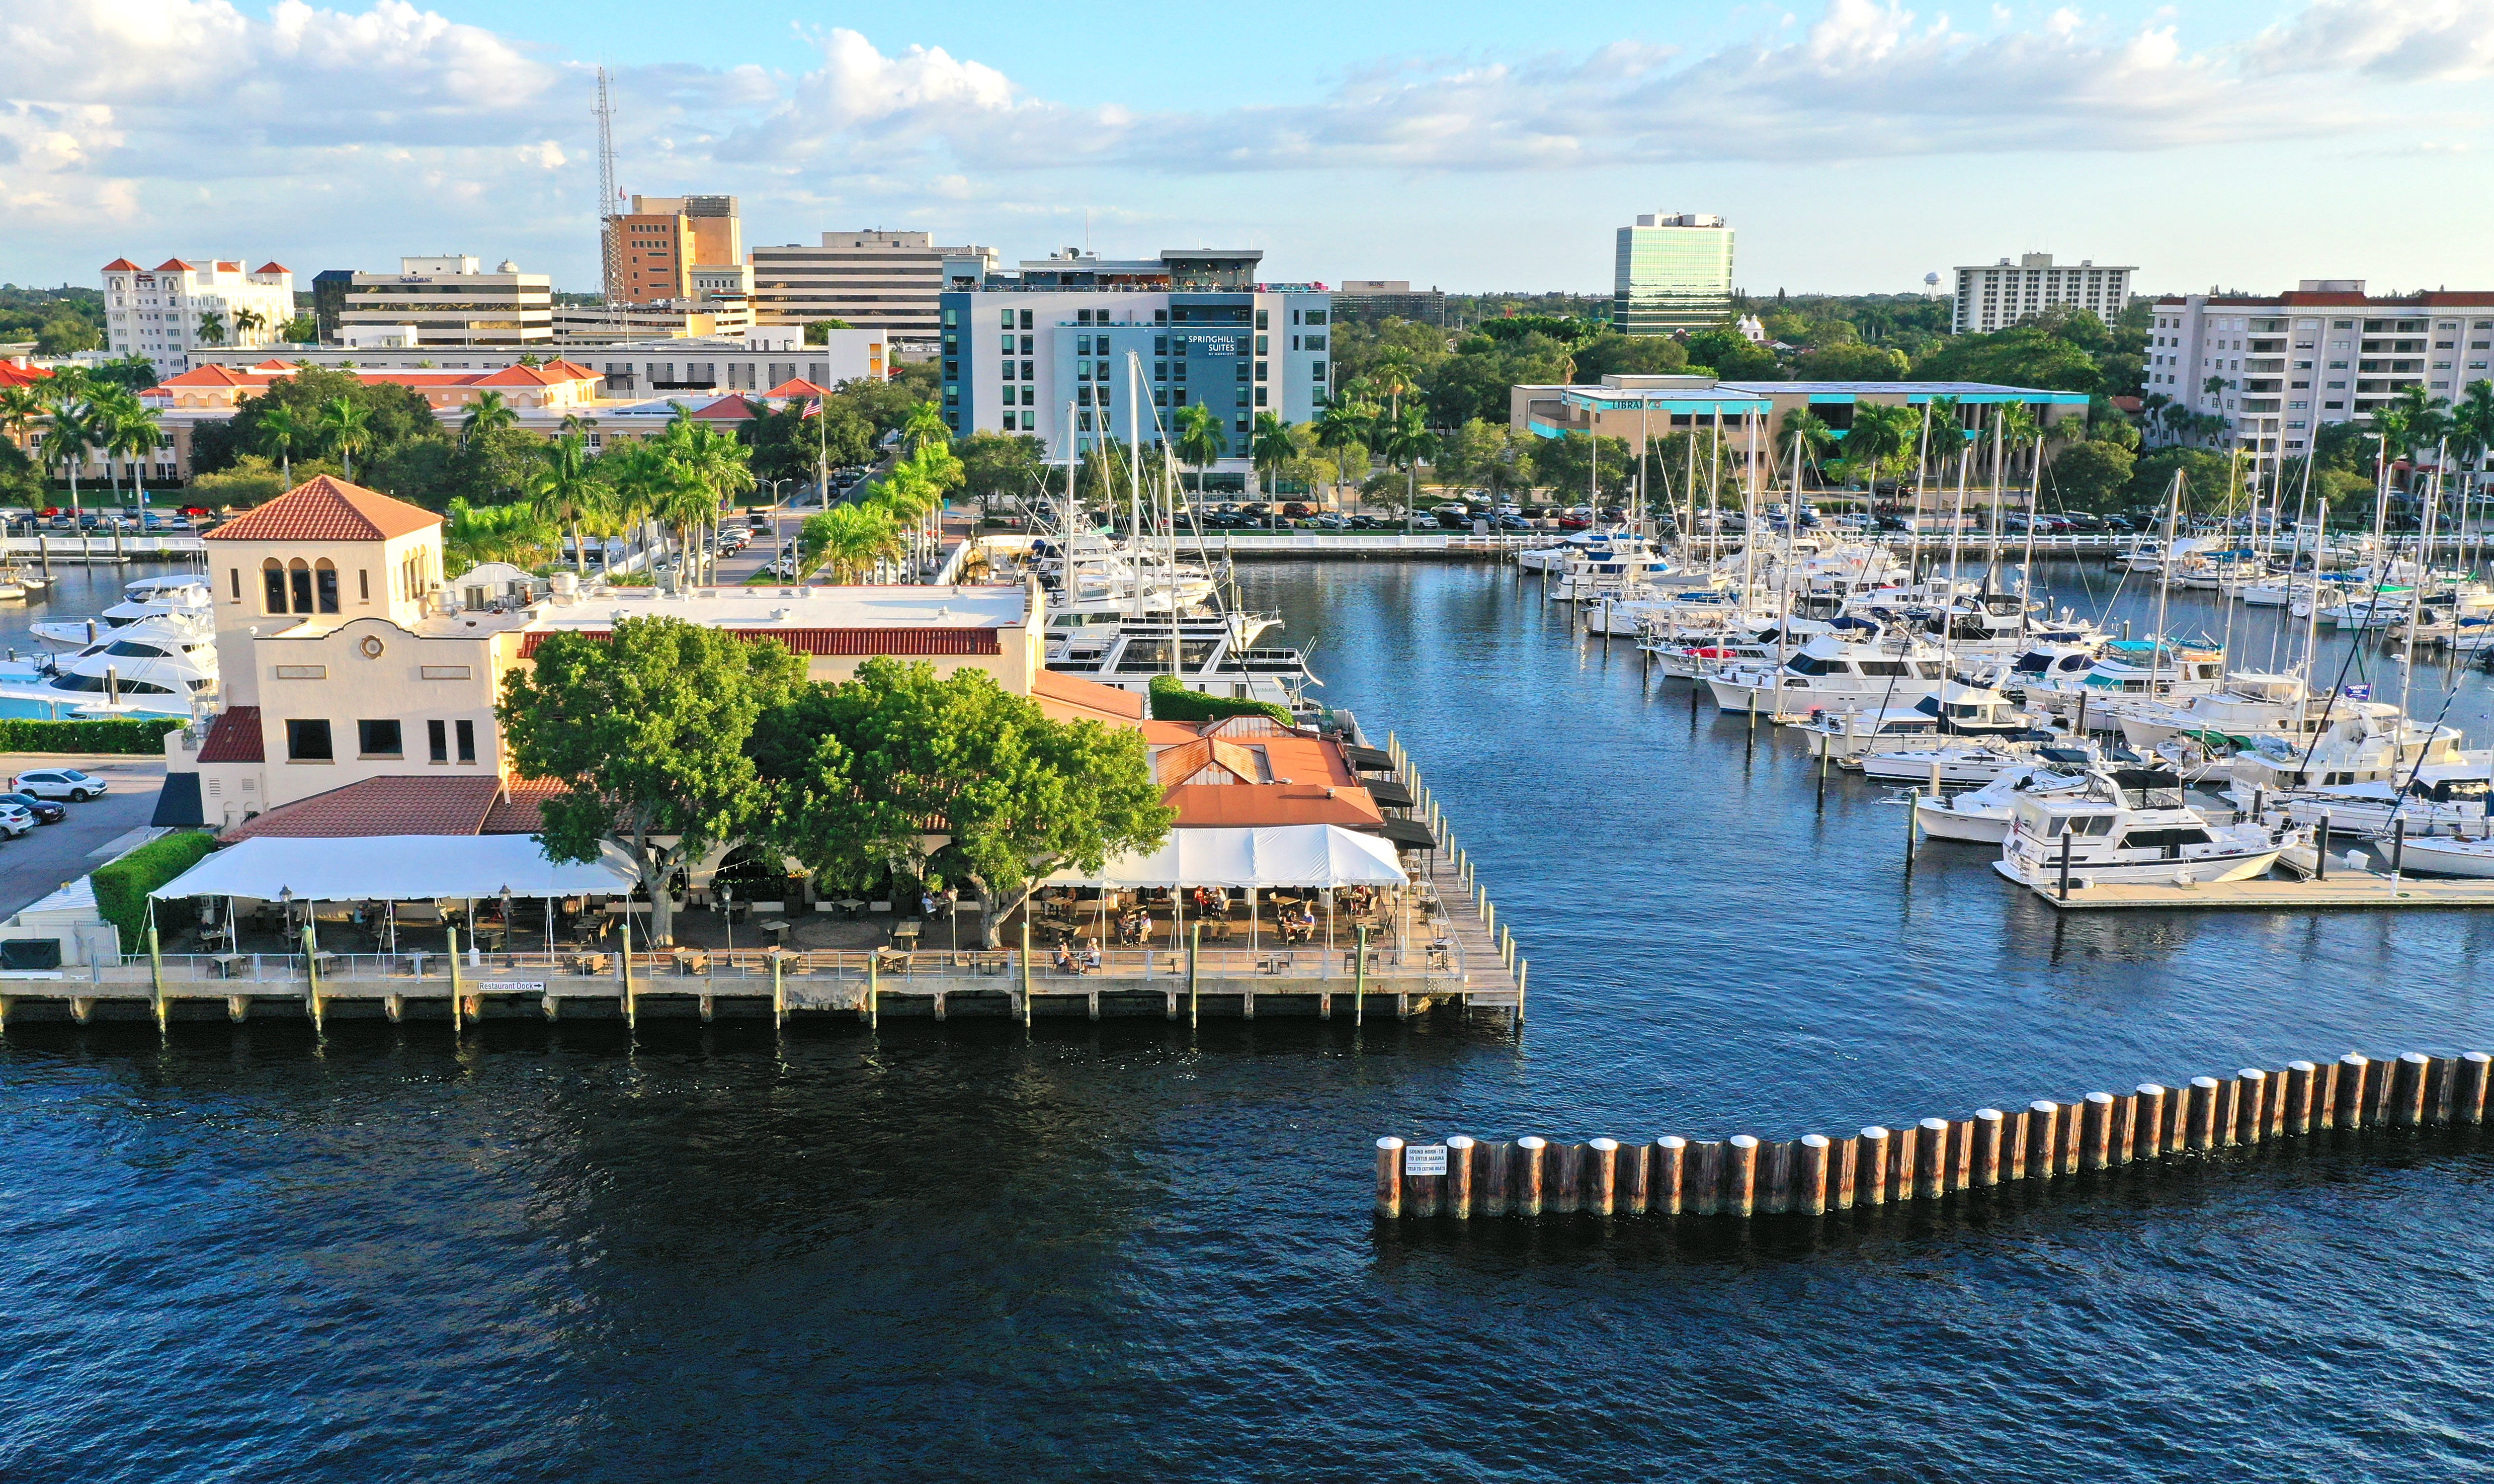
(874, 994)
(1360, 978)
(1027, 1012)
(1194, 990)
(156, 977)
(778, 997)
(2321, 849)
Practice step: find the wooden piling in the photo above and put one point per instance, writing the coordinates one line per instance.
(2147, 1122)
(2095, 1131)
(2406, 1090)
(2468, 1080)
(1844, 1170)
(1389, 1178)
(2437, 1089)
(1525, 1197)
(2042, 1139)
(1562, 1183)
(1459, 1176)
(1704, 1194)
(2352, 1068)
(156, 972)
(1496, 1165)
(1986, 1160)
(1423, 1195)
(1901, 1164)
(2202, 1122)
(2251, 1105)
(451, 935)
(1740, 1175)
(2221, 1126)
(1776, 1177)
(1810, 1174)
(2298, 1098)
(1636, 1178)
(1870, 1165)
(1670, 1158)
(1930, 1159)
(1602, 1187)
(1957, 1173)
(2125, 1115)
(2066, 1132)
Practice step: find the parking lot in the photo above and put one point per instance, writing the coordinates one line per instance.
(39, 863)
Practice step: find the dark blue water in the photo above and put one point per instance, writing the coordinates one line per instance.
(1125, 1252)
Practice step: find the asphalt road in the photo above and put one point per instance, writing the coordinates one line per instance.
(42, 863)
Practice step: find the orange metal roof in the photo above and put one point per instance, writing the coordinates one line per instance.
(327, 509)
(1087, 700)
(1210, 805)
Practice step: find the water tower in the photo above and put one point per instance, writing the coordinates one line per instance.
(1930, 283)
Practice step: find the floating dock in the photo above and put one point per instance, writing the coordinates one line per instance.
(2343, 888)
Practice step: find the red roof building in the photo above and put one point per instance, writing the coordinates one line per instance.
(327, 510)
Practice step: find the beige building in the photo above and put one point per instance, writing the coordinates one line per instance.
(1996, 295)
(874, 279)
(359, 683)
(167, 311)
(448, 301)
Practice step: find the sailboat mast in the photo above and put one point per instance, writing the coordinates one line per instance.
(2164, 586)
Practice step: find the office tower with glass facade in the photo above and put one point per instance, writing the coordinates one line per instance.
(1674, 272)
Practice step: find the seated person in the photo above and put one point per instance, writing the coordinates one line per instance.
(1090, 954)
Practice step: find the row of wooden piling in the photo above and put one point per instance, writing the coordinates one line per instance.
(1744, 1177)
(1476, 897)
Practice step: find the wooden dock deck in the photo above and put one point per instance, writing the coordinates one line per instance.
(1491, 980)
(2341, 888)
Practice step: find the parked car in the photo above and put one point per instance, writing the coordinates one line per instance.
(1328, 523)
(45, 812)
(1513, 522)
(59, 783)
(15, 821)
(1297, 509)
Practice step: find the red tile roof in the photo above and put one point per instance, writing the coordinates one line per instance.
(174, 266)
(832, 643)
(228, 267)
(519, 809)
(424, 806)
(274, 267)
(1207, 806)
(796, 386)
(327, 509)
(12, 375)
(234, 738)
(123, 265)
(275, 365)
(728, 408)
(213, 375)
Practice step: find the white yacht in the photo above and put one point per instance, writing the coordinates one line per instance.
(1980, 816)
(1961, 763)
(158, 666)
(2444, 798)
(2128, 669)
(1687, 654)
(1216, 655)
(1835, 674)
(1612, 569)
(1848, 734)
(184, 595)
(2253, 704)
(2129, 825)
(2362, 741)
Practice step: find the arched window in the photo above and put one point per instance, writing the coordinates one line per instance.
(298, 574)
(324, 578)
(273, 577)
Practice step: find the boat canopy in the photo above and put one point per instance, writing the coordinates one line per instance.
(396, 867)
(1279, 856)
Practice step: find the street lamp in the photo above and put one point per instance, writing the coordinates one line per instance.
(509, 959)
(727, 914)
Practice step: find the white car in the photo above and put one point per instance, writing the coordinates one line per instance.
(59, 783)
(16, 820)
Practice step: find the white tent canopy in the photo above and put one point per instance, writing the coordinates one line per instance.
(395, 867)
(1283, 855)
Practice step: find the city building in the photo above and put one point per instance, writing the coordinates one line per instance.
(595, 325)
(1367, 300)
(1749, 413)
(1999, 295)
(2282, 367)
(167, 311)
(359, 674)
(754, 360)
(1672, 272)
(665, 240)
(874, 280)
(1072, 348)
(329, 302)
(451, 303)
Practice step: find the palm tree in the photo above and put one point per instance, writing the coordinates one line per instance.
(1345, 425)
(279, 429)
(1881, 434)
(73, 436)
(1272, 444)
(21, 408)
(1395, 375)
(2472, 431)
(343, 429)
(852, 539)
(212, 326)
(567, 489)
(136, 432)
(637, 476)
(924, 425)
(1200, 439)
(247, 321)
(1405, 439)
(1817, 438)
(490, 414)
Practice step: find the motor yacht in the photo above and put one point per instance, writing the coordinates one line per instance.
(159, 666)
(2128, 669)
(2129, 825)
(2446, 799)
(1215, 654)
(148, 598)
(2359, 742)
(1966, 762)
(1845, 735)
(2252, 703)
(1832, 673)
(1980, 816)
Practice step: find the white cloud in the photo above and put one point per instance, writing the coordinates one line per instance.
(2436, 40)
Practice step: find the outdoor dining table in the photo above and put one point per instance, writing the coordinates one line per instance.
(777, 927)
(906, 932)
(228, 964)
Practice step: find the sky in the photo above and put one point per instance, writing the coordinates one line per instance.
(1853, 145)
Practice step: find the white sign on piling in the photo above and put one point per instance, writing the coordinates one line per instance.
(1424, 1159)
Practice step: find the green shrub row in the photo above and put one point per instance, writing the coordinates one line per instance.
(121, 887)
(1172, 701)
(139, 738)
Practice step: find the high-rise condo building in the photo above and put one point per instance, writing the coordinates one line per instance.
(2278, 370)
(1999, 295)
(165, 313)
(1673, 272)
(1076, 348)
(874, 279)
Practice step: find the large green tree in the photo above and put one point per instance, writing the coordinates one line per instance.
(1000, 466)
(902, 769)
(2091, 475)
(648, 729)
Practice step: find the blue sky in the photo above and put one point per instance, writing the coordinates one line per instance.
(1854, 144)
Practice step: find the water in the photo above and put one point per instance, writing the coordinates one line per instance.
(1122, 1251)
(77, 593)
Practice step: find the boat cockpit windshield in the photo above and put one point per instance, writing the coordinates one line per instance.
(2150, 788)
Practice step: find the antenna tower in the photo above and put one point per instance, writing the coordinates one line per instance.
(610, 250)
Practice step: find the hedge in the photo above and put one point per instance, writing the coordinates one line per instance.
(121, 887)
(143, 738)
(1172, 701)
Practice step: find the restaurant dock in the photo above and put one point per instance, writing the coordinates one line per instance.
(2344, 887)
